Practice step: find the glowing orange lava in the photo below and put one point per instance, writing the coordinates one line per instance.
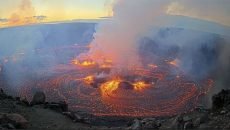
(140, 85)
(109, 87)
(85, 63)
(151, 90)
(89, 79)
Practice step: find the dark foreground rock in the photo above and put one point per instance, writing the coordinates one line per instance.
(221, 100)
(61, 106)
(17, 113)
(13, 120)
(216, 118)
(2, 94)
(38, 98)
(145, 124)
(75, 117)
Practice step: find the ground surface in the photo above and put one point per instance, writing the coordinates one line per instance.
(40, 118)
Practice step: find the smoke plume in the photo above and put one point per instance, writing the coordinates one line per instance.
(116, 39)
(23, 15)
(201, 53)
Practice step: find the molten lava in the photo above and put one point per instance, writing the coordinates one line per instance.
(84, 63)
(89, 79)
(109, 87)
(140, 85)
(150, 91)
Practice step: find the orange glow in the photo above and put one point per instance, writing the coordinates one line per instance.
(174, 62)
(88, 63)
(110, 86)
(75, 61)
(85, 63)
(89, 79)
(140, 85)
(108, 61)
(105, 66)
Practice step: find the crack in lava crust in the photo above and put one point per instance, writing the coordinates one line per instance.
(165, 95)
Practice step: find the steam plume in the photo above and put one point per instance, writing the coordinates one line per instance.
(116, 39)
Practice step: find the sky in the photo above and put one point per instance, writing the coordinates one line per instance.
(20, 12)
(51, 10)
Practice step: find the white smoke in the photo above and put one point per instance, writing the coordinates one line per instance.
(116, 39)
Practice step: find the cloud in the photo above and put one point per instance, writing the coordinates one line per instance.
(40, 17)
(212, 10)
(3, 20)
(22, 15)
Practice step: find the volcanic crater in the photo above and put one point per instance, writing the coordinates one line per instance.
(152, 90)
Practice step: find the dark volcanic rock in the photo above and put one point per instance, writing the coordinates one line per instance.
(64, 106)
(61, 106)
(145, 124)
(3, 118)
(150, 123)
(10, 126)
(188, 125)
(74, 116)
(38, 98)
(221, 100)
(178, 123)
(197, 122)
(136, 125)
(17, 120)
(23, 102)
(125, 85)
(2, 94)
